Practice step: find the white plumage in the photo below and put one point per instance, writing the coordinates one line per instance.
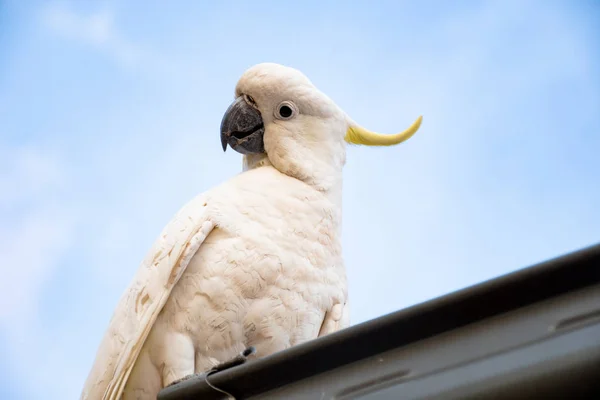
(256, 261)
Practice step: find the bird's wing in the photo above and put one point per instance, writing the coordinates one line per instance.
(145, 297)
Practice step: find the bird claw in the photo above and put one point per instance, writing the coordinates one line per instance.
(185, 378)
(235, 361)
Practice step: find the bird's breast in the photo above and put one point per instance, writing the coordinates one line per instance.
(271, 267)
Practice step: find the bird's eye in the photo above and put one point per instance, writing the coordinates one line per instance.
(286, 110)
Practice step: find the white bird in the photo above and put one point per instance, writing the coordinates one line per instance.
(256, 261)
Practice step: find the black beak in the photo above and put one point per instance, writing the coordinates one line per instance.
(242, 128)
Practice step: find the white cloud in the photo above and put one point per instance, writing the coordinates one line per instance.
(30, 249)
(27, 172)
(99, 30)
(34, 233)
(96, 29)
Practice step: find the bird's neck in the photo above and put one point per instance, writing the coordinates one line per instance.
(330, 184)
(252, 161)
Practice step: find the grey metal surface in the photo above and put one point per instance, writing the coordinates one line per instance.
(503, 357)
(530, 371)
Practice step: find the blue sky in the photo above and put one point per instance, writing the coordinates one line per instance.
(109, 122)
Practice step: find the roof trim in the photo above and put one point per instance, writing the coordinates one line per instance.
(509, 292)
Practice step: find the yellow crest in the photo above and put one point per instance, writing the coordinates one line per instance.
(359, 135)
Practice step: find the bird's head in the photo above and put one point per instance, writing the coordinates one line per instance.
(279, 115)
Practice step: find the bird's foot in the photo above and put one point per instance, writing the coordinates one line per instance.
(185, 378)
(235, 361)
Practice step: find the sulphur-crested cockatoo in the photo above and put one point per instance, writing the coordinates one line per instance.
(256, 261)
